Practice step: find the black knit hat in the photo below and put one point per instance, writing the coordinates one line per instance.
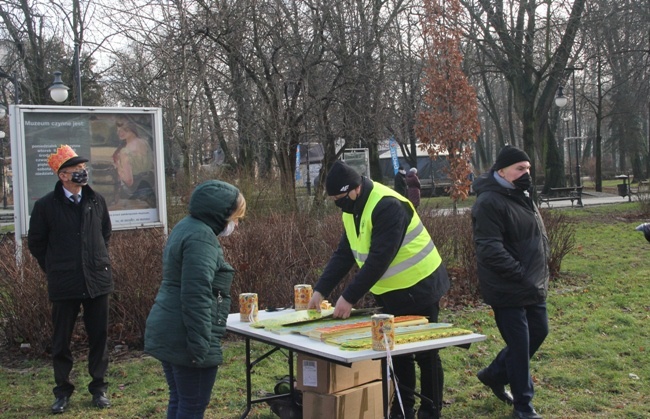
(341, 178)
(510, 155)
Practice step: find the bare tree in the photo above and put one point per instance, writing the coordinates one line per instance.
(623, 29)
(532, 61)
(42, 37)
(403, 49)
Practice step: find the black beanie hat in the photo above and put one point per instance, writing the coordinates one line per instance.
(510, 155)
(341, 178)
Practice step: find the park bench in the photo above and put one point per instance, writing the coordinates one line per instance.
(569, 193)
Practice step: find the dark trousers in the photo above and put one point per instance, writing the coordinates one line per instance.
(95, 317)
(190, 390)
(431, 372)
(524, 330)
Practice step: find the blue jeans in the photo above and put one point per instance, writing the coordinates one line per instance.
(189, 390)
(523, 329)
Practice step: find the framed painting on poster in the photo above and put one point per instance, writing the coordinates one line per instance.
(124, 147)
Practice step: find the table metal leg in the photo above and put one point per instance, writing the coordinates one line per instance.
(248, 379)
(292, 390)
(384, 386)
(249, 385)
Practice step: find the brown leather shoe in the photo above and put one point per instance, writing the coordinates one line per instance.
(499, 390)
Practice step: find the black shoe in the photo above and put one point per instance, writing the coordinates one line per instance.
(100, 400)
(60, 404)
(525, 415)
(499, 390)
(410, 414)
(428, 413)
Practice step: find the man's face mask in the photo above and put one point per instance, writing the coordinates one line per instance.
(80, 177)
(345, 203)
(524, 182)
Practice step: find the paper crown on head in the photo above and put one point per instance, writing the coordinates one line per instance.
(64, 157)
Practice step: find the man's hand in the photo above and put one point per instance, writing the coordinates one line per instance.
(342, 309)
(314, 303)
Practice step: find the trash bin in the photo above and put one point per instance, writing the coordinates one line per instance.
(622, 189)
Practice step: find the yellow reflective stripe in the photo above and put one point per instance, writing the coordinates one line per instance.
(413, 234)
(410, 276)
(408, 238)
(412, 261)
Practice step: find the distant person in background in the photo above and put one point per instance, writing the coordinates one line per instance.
(413, 184)
(134, 162)
(400, 181)
(512, 252)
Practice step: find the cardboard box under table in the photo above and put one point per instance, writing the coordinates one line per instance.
(320, 376)
(361, 402)
(330, 353)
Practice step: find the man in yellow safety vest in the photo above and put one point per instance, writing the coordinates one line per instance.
(398, 264)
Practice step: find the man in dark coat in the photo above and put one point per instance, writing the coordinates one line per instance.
(512, 253)
(68, 235)
(400, 181)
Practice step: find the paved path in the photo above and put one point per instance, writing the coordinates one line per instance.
(589, 198)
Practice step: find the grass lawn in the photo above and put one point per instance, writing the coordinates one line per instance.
(594, 363)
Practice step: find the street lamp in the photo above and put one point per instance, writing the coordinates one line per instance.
(561, 101)
(566, 119)
(58, 90)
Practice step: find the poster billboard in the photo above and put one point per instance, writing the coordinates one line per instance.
(124, 148)
(358, 159)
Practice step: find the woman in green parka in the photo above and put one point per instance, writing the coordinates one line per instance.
(188, 319)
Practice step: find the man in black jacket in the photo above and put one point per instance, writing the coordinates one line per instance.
(398, 264)
(512, 253)
(68, 235)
